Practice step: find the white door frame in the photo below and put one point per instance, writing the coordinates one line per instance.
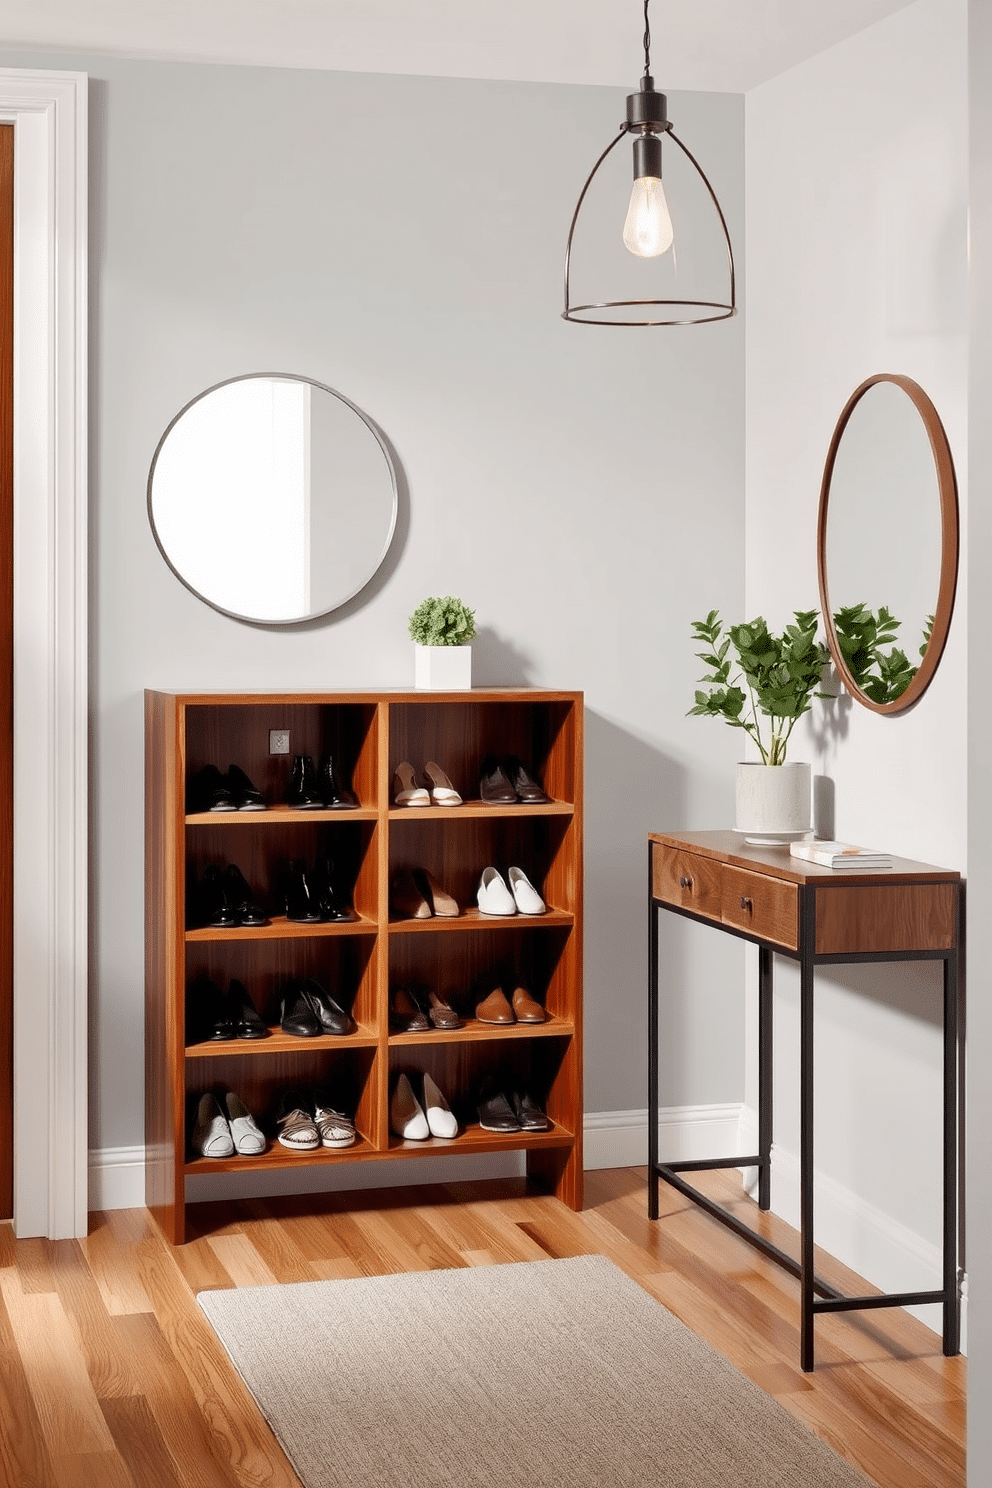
(48, 111)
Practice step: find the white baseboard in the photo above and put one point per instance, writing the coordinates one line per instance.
(619, 1139)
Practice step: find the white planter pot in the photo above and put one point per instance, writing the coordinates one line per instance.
(774, 802)
(442, 668)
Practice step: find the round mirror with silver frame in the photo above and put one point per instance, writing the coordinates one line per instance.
(887, 529)
(273, 498)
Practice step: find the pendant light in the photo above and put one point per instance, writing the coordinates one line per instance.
(648, 231)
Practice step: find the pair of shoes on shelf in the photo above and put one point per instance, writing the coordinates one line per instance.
(209, 790)
(496, 1007)
(414, 1009)
(438, 790)
(509, 1109)
(212, 1014)
(415, 894)
(318, 788)
(311, 897)
(221, 1133)
(507, 783)
(521, 897)
(307, 1010)
(307, 1119)
(415, 1122)
(223, 899)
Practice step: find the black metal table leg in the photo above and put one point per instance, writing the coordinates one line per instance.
(952, 1324)
(764, 1077)
(652, 1050)
(808, 940)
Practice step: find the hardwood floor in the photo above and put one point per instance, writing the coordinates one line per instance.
(110, 1377)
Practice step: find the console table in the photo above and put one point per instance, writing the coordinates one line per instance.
(817, 917)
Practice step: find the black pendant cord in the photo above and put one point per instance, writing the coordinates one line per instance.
(647, 42)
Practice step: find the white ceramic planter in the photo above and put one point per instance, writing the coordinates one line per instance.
(442, 668)
(774, 802)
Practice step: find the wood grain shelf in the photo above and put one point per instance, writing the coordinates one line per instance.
(279, 928)
(475, 1032)
(367, 734)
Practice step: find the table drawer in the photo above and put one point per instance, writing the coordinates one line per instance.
(686, 880)
(768, 907)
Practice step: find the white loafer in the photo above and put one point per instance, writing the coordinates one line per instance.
(247, 1138)
(406, 1115)
(211, 1134)
(494, 897)
(406, 791)
(439, 1117)
(526, 897)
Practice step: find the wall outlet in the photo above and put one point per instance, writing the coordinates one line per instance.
(278, 741)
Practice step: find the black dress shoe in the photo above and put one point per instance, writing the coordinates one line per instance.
(331, 1016)
(304, 787)
(296, 1013)
(495, 1112)
(336, 796)
(246, 796)
(209, 791)
(332, 907)
(495, 787)
(301, 903)
(528, 1112)
(213, 903)
(246, 1019)
(208, 1013)
(246, 910)
(528, 791)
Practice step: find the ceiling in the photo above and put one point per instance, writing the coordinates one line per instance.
(721, 45)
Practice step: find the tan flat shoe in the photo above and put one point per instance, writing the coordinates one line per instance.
(441, 902)
(526, 1008)
(406, 791)
(405, 899)
(442, 791)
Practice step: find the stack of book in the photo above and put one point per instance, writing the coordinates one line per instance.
(840, 855)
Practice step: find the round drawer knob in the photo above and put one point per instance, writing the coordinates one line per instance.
(685, 882)
(745, 902)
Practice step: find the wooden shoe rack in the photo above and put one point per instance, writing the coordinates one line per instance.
(368, 734)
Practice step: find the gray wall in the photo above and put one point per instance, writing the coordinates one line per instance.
(580, 487)
(979, 1257)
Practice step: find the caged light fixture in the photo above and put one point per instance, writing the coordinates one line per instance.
(647, 229)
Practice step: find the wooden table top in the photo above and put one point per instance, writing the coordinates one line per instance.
(778, 862)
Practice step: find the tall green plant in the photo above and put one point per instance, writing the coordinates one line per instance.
(780, 676)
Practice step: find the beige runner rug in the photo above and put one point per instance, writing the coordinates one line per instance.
(542, 1374)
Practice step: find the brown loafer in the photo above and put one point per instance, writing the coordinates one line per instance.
(495, 1008)
(526, 1008)
(404, 1013)
(442, 1014)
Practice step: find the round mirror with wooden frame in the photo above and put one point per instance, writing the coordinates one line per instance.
(887, 543)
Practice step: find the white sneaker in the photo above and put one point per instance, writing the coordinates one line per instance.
(336, 1129)
(527, 899)
(494, 897)
(439, 1118)
(247, 1138)
(211, 1134)
(406, 1115)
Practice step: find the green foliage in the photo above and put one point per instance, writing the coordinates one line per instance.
(442, 622)
(781, 675)
(861, 634)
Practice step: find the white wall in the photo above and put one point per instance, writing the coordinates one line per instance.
(856, 244)
(567, 481)
(979, 1171)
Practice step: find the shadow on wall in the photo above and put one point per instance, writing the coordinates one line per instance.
(499, 663)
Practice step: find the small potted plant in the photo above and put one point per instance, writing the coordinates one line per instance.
(442, 630)
(781, 675)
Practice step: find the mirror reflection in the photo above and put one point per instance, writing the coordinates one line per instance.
(888, 541)
(272, 498)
